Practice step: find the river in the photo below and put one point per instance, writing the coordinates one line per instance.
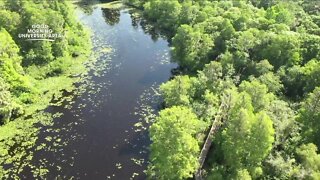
(97, 131)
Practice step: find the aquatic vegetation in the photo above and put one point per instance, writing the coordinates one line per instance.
(265, 55)
(111, 5)
(51, 81)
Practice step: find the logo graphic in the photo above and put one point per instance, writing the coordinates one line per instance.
(40, 32)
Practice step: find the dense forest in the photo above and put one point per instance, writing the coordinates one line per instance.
(33, 73)
(259, 58)
(249, 69)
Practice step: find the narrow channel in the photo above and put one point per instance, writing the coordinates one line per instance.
(97, 130)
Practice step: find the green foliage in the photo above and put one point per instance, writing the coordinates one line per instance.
(165, 13)
(283, 118)
(243, 175)
(281, 14)
(259, 94)
(251, 133)
(267, 53)
(282, 166)
(310, 117)
(24, 14)
(10, 64)
(272, 82)
(310, 47)
(211, 77)
(47, 59)
(310, 160)
(191, 47)
(178, 91)
(311, 72)
(5, 102)
(191, 14)
(174, 148)
(33, 73)
(9, 20)
(230, 26)
(281, 49)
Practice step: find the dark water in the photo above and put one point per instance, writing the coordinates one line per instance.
(97, 130)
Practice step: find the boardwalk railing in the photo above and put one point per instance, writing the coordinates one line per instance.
(220, 117)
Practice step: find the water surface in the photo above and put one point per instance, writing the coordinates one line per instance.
(97, 134)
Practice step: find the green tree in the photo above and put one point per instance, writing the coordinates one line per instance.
(178, 91)
(164, 13)
(10, 68)
(310, 160)
(310, 48)
(279, 49)
(311, 73)
(247, 138)
(310, 117)
(272, 81)
(267, 52)
(284, 121)
(281, 14)
(174, 148)
(282, 166)
(264, 3)
(191, 14)
(258, 93)
(191, 47)
(9, 20)
(5, 102)
(216, 77)
(263, 67)
(243, 174)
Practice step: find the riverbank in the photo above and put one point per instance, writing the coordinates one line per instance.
(48, 85)
(95, 136)
(88, 129)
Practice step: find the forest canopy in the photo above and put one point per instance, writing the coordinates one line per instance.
(259, 58)
(34, 73)
(265, 55)
(25, 65)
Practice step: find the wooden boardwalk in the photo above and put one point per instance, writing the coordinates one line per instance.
(220, 117)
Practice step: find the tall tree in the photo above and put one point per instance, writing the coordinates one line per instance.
(6, 104)
(310, 117)
(247, 138)
(165, 13)
(178, 91)
(10, 68)
(191, 47)
(174, 148)
(310, 160)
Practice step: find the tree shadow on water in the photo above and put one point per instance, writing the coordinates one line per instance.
(137, 145)
(87, 6)
(111, 16)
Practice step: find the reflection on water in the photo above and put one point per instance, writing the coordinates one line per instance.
(111, 15)
(86, 6)
(148, 27)
(94, 136)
